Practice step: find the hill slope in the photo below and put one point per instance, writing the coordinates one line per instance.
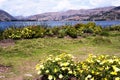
(4, 16)
(105, 13)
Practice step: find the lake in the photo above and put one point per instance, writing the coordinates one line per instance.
(4, 25)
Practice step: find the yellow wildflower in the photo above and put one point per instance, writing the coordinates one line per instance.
(113, 73)
(50, 77)
(60, 76)
(117, 78)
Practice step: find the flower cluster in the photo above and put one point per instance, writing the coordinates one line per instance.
(59, 67)
(102, 67)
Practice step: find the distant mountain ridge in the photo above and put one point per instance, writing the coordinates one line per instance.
(4, 16)
(105, 13)
(97, 14)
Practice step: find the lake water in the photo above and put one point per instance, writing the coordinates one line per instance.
(4, 25)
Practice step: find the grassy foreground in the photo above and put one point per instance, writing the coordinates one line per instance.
(25, 54)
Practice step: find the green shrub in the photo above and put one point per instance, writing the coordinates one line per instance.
(49, 32)
(113, 28)
(1, 32)
(12, 33)
(38, 31)
(55, 30)
(104, 33)
(24, 33)
(61, 33)
(62, 67)
(102, 67)
(27, 33)
(72, 32)
(90, 27)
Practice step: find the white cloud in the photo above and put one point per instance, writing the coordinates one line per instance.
(1, 1)
(116, 3)
(62, 5)
(67, 4)
(100, 3)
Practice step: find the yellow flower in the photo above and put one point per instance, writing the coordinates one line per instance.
(110, 61)
(106, 68)
(41, 67)
(37, 67)
(93, 72)
(105, 78)
(89, 76)
(92, 78)
(50, 77)
(63, 68)
(70, 72)
(117, 78)
(47, 71)
(39, 72)
(65, 64)
(60, 76)
(115, 68)
(57, 59)
(113, 73)
(55, 70)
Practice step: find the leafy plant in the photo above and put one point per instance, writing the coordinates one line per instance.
(13, 33)
(104, 33)
(102, 67)
(60, 67)
(72, 32)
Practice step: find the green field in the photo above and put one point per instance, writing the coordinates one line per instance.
(26, 53)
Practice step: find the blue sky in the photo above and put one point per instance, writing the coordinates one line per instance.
(31, 7)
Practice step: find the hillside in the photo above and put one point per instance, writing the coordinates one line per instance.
(105, 13)
(4, 16)
(113, 14)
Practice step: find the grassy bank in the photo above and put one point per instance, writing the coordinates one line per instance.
(23, 55)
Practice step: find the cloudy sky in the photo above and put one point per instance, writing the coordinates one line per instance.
(30, 7)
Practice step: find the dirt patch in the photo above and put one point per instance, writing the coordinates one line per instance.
(4, 69)
(7, 42)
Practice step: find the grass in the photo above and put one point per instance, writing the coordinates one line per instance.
(26, 53)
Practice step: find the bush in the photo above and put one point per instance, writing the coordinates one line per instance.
(90, 27)
(102, 67)
(27, 33)
(72, 32)
(24, 33)
(12, 33)
(49, 32)
(104, 33)
(1, 32)
(61, 33)
(41, 31)
(113, 28)
(62, 67)
(38, 31)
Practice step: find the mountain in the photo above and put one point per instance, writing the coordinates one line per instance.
(105, 13)
(112, 14)
(4, 16)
